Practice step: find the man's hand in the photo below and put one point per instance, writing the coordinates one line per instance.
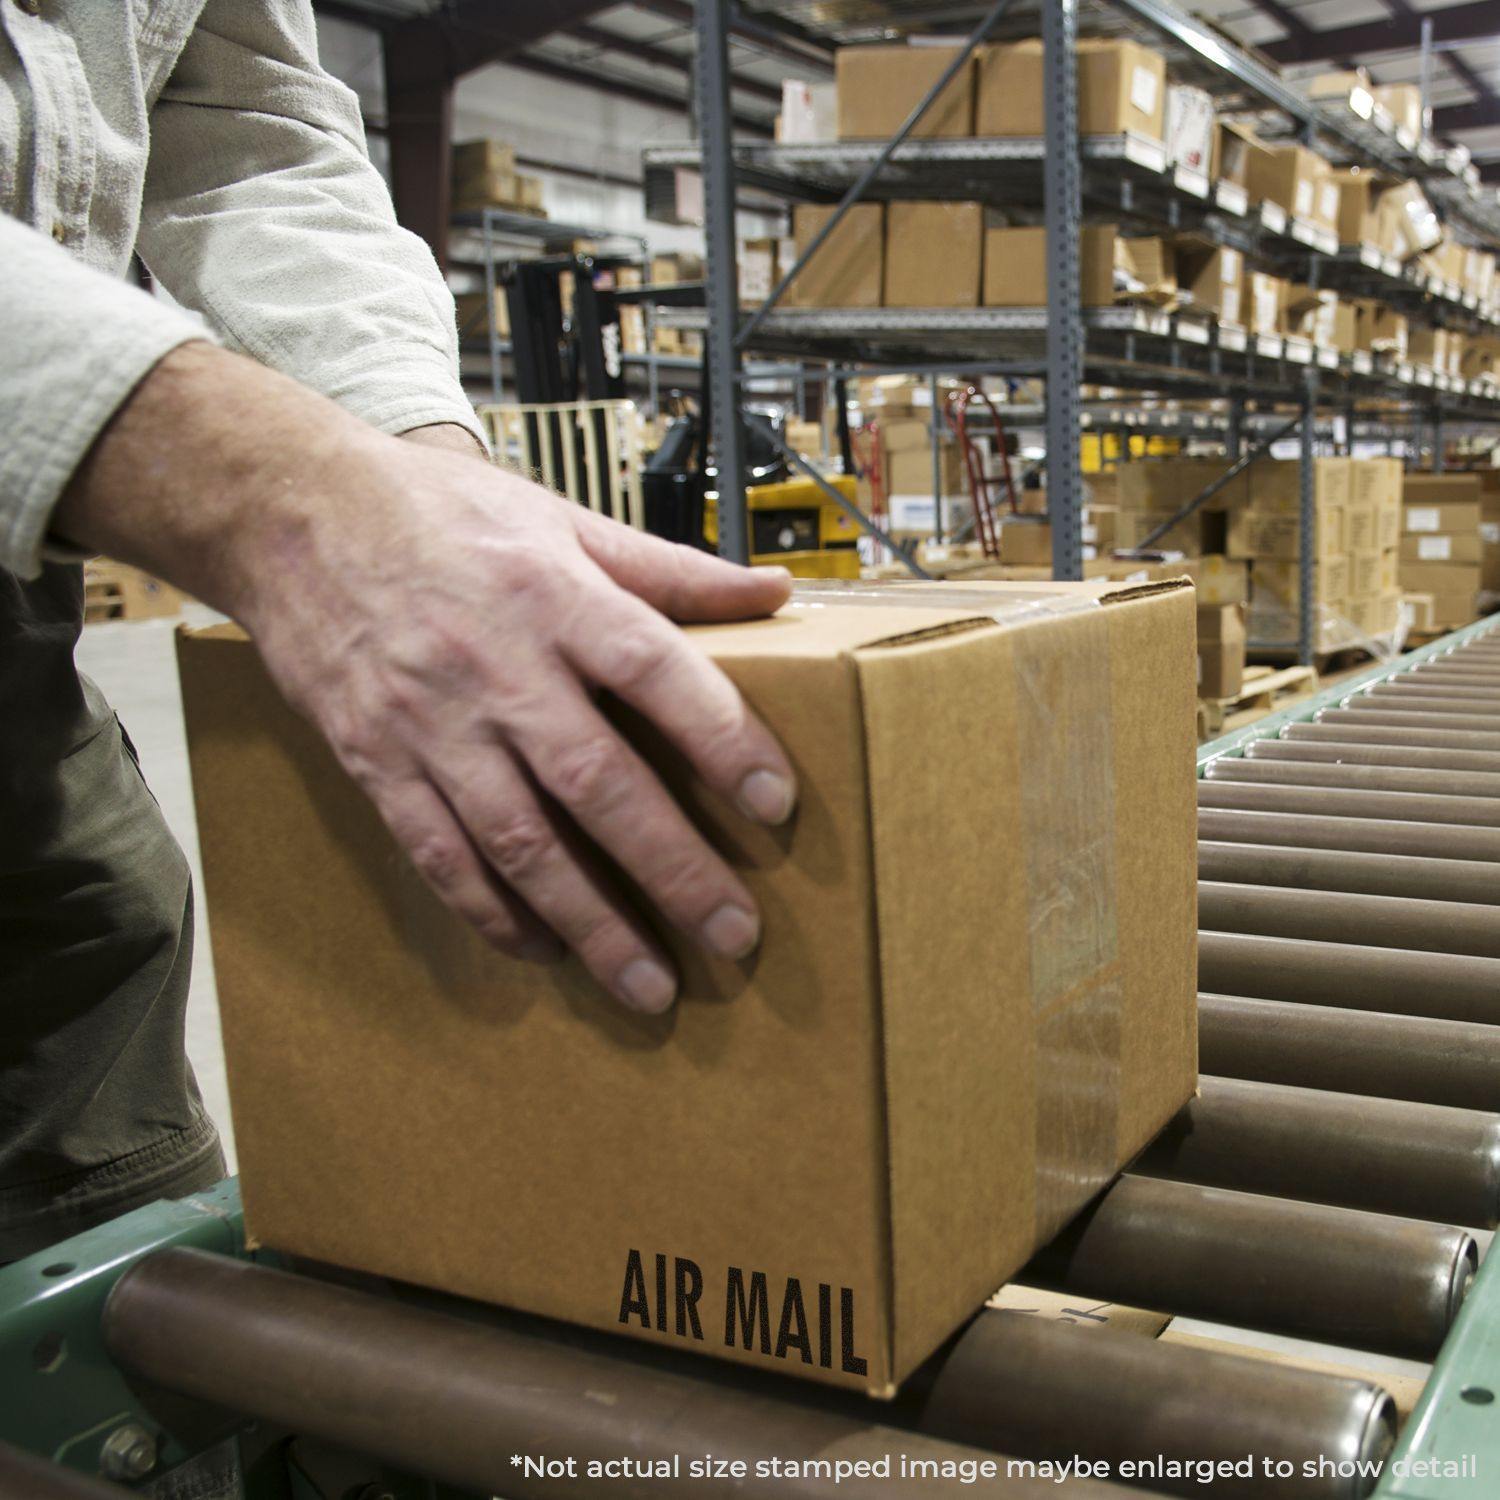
(446, 626)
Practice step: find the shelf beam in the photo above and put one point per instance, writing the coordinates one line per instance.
(1457, 23)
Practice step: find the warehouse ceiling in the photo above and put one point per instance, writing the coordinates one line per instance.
(643, 50)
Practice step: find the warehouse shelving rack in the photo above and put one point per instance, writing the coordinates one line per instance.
(1124, 179)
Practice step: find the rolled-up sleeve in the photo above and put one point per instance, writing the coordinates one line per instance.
(262, 211)
(76, 342)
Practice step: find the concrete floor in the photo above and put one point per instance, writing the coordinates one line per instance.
(135, 665)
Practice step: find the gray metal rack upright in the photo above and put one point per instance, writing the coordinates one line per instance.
(1128, 177)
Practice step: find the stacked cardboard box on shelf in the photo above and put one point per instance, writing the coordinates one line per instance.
(485, 176)
(1442, 547)
(1489, 534)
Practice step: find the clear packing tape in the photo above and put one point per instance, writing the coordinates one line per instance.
(1061, 717)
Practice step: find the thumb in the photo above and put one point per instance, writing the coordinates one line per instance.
(685, 584)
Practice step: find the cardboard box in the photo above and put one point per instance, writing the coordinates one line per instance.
(1410, 225)
(1026, 541)
(1440, 611)
(1294, 178)
(1231, 156)
(1221, 650)
(878, 87)
(1440, 489)
(1439, 548)
(868, 1118)
(1359, 197)
(1132, 527)
(1362, 529)
(1440, 578)
(849, 268)
(1212, 278)
(1219, 579)
(1277, 534)
(1144, 271)
(1121, 86)
(933, 253)
(1263, 296)
(912, 513)
(1189, 128)
(1378, 330)
(1368, 573)
(1403, 101)
(809, 112)
(1375, 616)
(908, 471)
(485, 176)
(1168, 485)
(1445, 516)
(1377, 482)
(759, 269)
(1015, 266)
(1278, 582)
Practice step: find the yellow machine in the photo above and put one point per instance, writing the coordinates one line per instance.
(794, 525)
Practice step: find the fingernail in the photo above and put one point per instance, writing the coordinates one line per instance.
(540, 949)
(767, 796)
(776, 571)
(647, 985)
(732, 931)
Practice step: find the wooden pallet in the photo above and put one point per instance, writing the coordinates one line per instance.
(1266, 690)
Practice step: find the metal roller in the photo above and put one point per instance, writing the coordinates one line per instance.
(1449, 986)
(1394, 718)
(453, 1399)
(24, 1476)
(1360, 778)
(1350, 870)
(1334, 1275)
(1343, 917)
(1371, 835)
(1456, 1063)
(1390, 1156)
(1364, 732)
(1431, 702)
(1352, 754)
(1347, 802)
(1456, 672)
(1412, 686)
(1041, 1389)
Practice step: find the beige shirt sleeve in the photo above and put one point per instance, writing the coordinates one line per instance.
(74, 342)
(262, 212)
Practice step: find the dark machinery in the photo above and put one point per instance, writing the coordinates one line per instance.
(1323, 1185)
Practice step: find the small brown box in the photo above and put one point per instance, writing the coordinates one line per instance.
(878, 87)
(1015, 266)
(933, 254)
(849, 268)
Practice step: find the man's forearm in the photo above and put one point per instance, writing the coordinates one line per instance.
(210, 449)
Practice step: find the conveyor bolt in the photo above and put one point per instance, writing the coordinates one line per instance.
(129, 1452)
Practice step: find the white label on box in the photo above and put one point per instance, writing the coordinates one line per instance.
(1229, 304)
(1143, 90)
(1303, 199)
(1419, 518)
(1435, 548)
(1328, 201)
(1229, 266)
(1489, 531)
(1089, 533)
